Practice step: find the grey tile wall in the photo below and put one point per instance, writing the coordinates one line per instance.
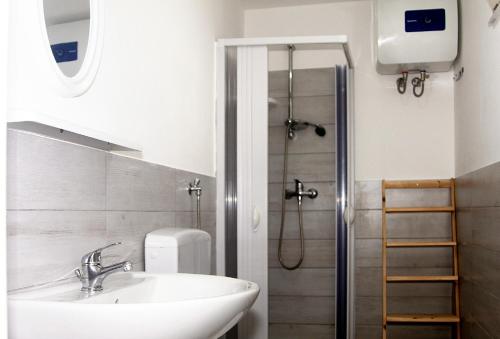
(65, 200)
(478, 199)
(403, 298)
(301, 302)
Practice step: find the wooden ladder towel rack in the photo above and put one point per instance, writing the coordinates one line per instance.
(454, 318)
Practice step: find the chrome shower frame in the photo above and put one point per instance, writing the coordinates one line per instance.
(345, 209)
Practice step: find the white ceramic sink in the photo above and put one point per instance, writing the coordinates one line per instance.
(133, 306)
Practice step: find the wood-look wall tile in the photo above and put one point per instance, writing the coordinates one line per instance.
(480, 188)
(415, 258)
(324, 202)
(419, 289)
(486, 310)
(466, 261)
(317, 253)
(368, 224)
(302, 282)
(368, 310)
(188, 220)
(464, 187)
(368, 332)
(369, 283)
(419, 226)
(305, 141)
(58, 182)
(295, 331)
(485, 229)
(368, 195)
(419, 305)
(478, 217)
(44, 246)
(465, 225)
(306, 82)
(418, 197)
(43, 173)
(134, 185)
(403, 226)
(471, 329)
(467, 299)
(369, 254)
(319, 225)
(302, 310)
(315, 167)
(486, 270)
(315, 109)
(420, 332)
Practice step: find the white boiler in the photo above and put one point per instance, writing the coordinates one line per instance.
(416, 35)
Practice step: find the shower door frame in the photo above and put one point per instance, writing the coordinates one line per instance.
(228, 256)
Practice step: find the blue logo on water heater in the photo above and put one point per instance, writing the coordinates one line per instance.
(425, 20)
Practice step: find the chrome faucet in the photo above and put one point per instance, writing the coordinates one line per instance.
(93, 273)
(300, 192)
(195, 187)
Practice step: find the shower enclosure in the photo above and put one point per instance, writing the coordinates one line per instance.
(285, 183)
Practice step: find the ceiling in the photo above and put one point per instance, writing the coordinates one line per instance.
(253, 4)
(61, 11)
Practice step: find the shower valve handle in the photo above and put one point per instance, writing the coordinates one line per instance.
(300, 192)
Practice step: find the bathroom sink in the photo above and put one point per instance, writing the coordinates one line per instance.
(133, 306)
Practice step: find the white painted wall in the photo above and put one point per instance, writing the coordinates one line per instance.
(477, 94)
(156, 82)
(396, 136)
(69, 32)
(4, 21)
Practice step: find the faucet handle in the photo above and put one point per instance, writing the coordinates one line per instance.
(94, 257)
(299, 185)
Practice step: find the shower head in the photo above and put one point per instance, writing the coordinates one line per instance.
(320, 130)
(298, 125)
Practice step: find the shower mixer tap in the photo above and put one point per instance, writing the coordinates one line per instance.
(299, 192)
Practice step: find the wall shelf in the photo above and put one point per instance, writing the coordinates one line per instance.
(63, 130)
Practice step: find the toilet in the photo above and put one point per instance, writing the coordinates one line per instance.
(177, 250)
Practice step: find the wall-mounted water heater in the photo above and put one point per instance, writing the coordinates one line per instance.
(416, 35)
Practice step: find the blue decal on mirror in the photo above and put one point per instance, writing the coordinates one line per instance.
(66, 51)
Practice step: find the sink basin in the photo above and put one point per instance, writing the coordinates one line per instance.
(132, 306)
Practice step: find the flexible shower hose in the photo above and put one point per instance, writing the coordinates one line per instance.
(299, 208)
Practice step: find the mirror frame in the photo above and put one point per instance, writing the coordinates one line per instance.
(82, 81)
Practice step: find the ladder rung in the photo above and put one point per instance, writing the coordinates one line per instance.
(409, 184)
(422, 244)
(419, 209)
(423, 318)
(422, 278)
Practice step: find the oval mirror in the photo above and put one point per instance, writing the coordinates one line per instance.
(67, 24)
